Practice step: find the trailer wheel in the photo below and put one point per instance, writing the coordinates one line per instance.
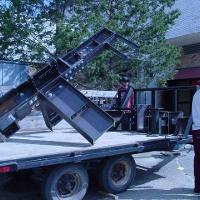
(117, 174)
(68, 182)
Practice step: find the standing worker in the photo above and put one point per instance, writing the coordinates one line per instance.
(126, 119)
(121, 92)
(196, 138)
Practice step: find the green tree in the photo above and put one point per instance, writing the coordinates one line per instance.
(31, 30)
(24, 32)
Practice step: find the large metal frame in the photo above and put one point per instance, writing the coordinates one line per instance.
(175, 89)
(49, 88)
(151, 117)
(173, 116)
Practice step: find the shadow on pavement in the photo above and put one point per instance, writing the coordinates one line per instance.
(144, 174)
(19, 189)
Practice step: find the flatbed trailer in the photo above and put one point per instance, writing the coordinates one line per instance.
(64, 158)
(65, 153)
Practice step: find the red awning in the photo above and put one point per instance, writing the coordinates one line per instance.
(188, 73)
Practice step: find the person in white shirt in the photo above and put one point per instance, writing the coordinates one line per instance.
(196, 137)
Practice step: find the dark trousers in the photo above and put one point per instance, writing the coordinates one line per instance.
(196, 142)
(126, 121)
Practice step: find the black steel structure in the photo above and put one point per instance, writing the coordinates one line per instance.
(166, 110)
(57, 99)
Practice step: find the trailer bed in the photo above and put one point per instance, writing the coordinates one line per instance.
(43, 148)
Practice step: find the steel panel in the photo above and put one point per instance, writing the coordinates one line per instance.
(76, 109)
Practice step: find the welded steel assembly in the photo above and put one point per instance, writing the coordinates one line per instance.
(49, 89)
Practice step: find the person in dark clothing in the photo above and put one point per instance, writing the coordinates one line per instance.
(126, 120)
(196, 138)
(121, 93)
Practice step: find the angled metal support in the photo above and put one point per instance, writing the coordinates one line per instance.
(127, 96)
(76, 109)
(188, 127)
(123, 47)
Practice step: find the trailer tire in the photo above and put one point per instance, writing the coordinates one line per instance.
(117, 174)
(69, 182)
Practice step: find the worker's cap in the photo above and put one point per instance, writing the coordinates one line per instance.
(124, 79)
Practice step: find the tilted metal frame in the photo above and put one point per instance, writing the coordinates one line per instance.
(40, 90)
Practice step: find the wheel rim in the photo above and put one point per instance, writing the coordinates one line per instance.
(120, 173)
(68, 185)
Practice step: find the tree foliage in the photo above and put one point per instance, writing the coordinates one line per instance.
(32, 30)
